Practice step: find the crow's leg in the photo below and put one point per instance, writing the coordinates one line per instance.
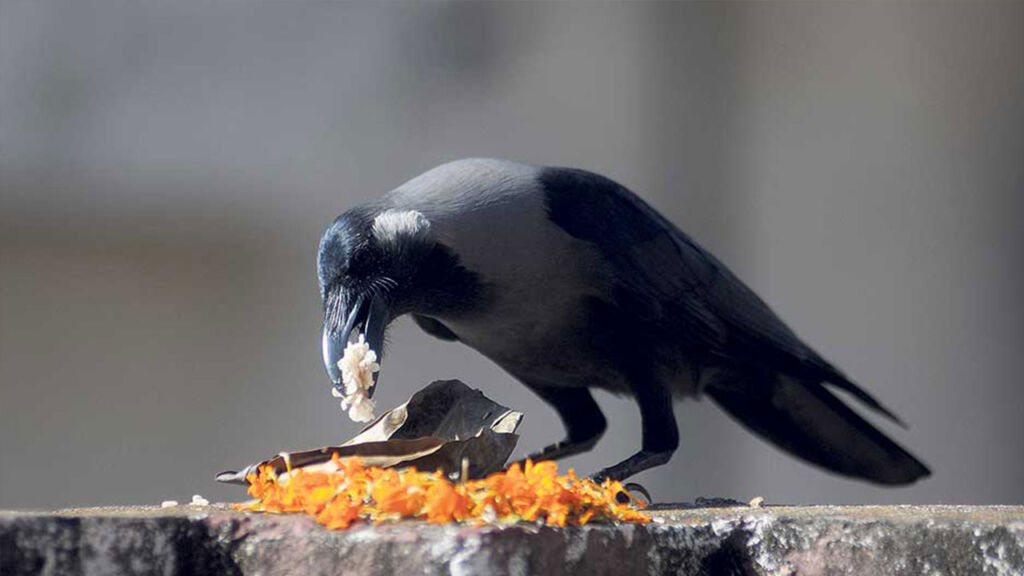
(660, 435)
(582, 417)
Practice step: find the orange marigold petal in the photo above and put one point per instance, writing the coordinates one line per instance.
(352, 492)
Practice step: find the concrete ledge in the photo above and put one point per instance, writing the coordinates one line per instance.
(879, 540)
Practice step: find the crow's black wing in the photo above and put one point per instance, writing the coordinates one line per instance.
(664, 277)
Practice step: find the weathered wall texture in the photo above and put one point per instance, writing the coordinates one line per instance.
(809, 541)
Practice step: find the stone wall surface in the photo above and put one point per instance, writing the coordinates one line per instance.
(881, 540)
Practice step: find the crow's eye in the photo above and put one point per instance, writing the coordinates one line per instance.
(362, 262)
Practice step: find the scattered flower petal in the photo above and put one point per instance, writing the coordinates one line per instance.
(533, 493)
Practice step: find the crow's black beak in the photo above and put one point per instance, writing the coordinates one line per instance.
(365, 314)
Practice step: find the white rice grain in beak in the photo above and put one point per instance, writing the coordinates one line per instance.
(357, 365)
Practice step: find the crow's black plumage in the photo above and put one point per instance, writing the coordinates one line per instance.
(569, 281)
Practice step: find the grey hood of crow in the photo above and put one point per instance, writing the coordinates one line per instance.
(569, 282)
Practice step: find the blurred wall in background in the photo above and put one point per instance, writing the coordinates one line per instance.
(166, 171)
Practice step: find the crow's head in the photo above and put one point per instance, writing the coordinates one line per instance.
(375, 265)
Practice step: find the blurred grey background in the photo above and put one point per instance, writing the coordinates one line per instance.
(166, 170)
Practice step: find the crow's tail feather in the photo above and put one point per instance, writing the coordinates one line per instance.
(808, 421)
